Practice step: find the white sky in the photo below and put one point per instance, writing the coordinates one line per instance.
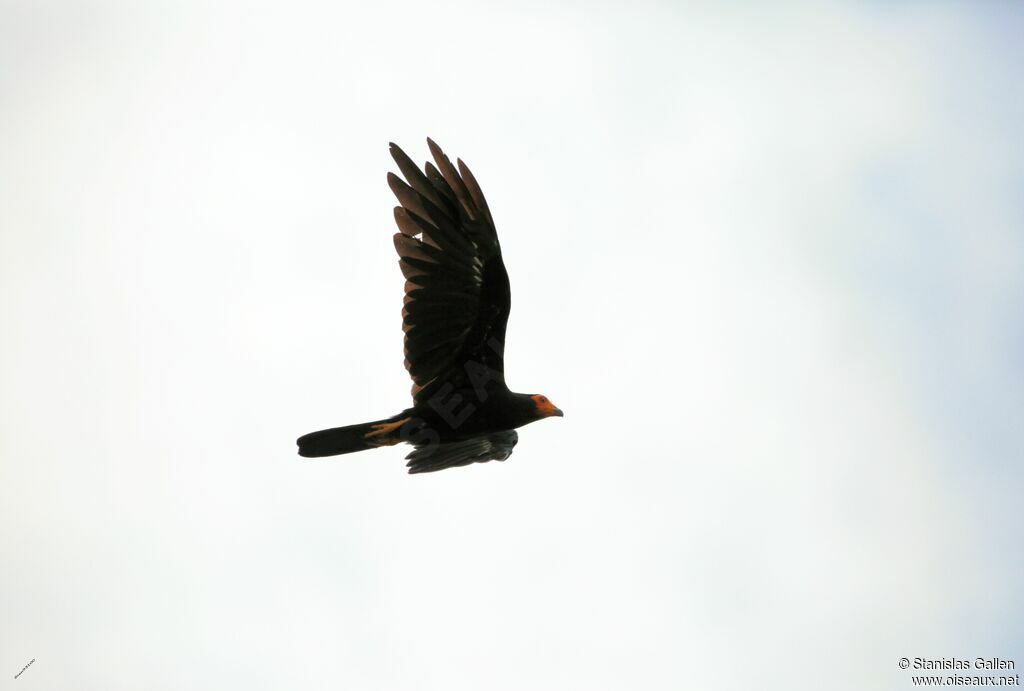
(769, 262)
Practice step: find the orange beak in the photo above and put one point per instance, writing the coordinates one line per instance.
(548, 409)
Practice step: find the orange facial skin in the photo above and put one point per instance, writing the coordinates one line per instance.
(545, 408)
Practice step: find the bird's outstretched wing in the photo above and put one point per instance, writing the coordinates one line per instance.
(489, 447)
(457, 296)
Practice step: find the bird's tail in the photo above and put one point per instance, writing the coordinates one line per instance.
(339, 440)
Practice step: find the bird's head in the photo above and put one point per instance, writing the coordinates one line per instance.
(544, 407)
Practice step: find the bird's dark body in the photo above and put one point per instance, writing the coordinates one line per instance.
(457, 302)
(501, 410)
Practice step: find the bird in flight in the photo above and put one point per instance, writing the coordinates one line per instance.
(457, 301)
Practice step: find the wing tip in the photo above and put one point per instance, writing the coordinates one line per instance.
(435, 150)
